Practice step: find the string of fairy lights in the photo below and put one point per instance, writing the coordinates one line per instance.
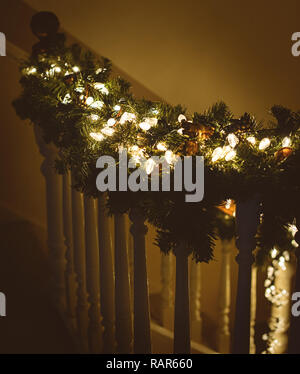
(102, 128)
(278, 297)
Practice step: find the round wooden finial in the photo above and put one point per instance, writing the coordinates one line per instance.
(44, 24)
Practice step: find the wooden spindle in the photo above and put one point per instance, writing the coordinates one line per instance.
(224, 298)
(93, 276)
(195, 297)
(122, 287)
(54, 203)
(142, 338)
(107, 283)
(182, 340)
(70, 273)
(80, 268)
(247, 220)
(253, 309)
(167, 310)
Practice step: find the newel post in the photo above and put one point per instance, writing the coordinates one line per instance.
(247, 220)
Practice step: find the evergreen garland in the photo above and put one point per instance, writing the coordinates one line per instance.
(87, 113)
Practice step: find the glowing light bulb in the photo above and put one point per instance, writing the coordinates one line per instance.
(67, 99)
(286, 141)
(170, 157)
(251, 139)
(217, 154)
(149, 165)
(97, 136)
(101, 87)
(117, 108)
(230, 155)
(273, 252)
(180, 131)
(75, 69)
(161, 147)
(108, 131)
(89, 100)
(97, 104)
(57, 69)
(264, 143)
(155, 111)
(232, 140)
(111, 122)
(127, 117)
(181, 117)
(79, 89)
(98, 71)
(31, 70)
(94, 117)
(228, 203)
(145, 126)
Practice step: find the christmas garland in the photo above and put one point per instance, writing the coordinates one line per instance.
(87, 113)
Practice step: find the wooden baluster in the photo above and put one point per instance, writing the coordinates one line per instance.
(253, 309)
(166, 293)
(182, 341)
(122, 287)
(80, 268)
(54, 201)
(93, 276)
(130, 259)
(224, 298)
(247, 220)
(195, 297)
(142, 338)
(280, 314)
(106, 276)
(294, 331)
(70, 273)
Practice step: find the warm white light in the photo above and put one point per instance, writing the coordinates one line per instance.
(101, 87)
(286, 142)
(217, 154)
(155, 111)
(97, 136)
(161, 147)
(180, 131)
(67, 99)
(181, 117)
(57, 69)
(94, 117)
(108, 131)
(170, 157)
(75, 69)
(111, 122)
(230, 155)
(145, 126)
(117, 108)
(273, 252)
(79, 89)
(293, 229)
(98, 71)
(31, 70)
(127, 117)
(251, 139)
(89, 100)
(149, 165)
(264, 143)
(232, 140)
(228, 204)
(97, 104)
